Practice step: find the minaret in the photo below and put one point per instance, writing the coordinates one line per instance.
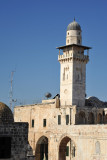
(73, 34)
(73, 67)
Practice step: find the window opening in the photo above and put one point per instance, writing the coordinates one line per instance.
(79, 41)
(67, 119)
(32, 123)
(67, 150)
(59, 119)
(73, 152)
(44, 122)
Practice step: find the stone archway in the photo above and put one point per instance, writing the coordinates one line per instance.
(99, 119)
(66, 149)
(91, 118)
(105, 119)
(41, 152)
(81, 118)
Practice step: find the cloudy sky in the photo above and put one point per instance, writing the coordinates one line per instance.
(30, 31)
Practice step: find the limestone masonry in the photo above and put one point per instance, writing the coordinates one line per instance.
(69, 126)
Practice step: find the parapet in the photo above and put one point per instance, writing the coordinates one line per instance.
(52, 101)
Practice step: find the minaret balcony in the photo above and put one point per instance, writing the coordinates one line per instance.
(78, 57)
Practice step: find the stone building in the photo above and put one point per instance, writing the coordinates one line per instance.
(69, 126)
(13, 136)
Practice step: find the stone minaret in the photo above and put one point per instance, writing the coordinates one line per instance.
(73, 67)
(73, 34)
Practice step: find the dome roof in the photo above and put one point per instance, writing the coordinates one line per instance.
(6, 115)
(74, 26)
(95, 102)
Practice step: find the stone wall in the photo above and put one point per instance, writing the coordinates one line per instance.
(18, 133)
(90, 141)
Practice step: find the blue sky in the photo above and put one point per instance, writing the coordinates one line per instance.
(30, 31)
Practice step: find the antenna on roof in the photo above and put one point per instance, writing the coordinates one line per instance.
(74, 18)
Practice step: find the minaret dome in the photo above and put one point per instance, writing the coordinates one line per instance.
(73, 34)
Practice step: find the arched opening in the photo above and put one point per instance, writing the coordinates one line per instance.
(68, 41)
(78, 41)
(81, 118)
(91, 118)
(42, 149)
(66, 149)
(99, 119)
(105, 119)
(97, 147)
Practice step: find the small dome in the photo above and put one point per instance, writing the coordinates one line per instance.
(73, 26)
(94, 102)
(6, 115)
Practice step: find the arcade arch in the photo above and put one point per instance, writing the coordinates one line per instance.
(81, 117)
(105, 119)
(67, 149)
(91, 118)
(99, 119)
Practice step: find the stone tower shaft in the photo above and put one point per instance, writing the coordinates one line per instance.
(73, 62)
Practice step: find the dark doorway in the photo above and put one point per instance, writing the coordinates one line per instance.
(42, 149)
(105, 119)
(81, 118)
(5, 147)
(99, 119)
(91, 118)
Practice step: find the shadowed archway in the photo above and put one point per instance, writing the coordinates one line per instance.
(42, 149)
(105, 119)
(66, 149)
(81, 118)
(91, 118)
(99, 119)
